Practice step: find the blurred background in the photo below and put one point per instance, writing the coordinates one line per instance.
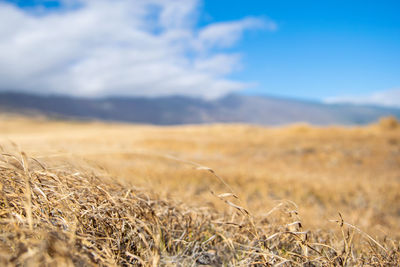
(193, 61)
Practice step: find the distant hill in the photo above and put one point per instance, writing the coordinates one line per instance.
(182, 110)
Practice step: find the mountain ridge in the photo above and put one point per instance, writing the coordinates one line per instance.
(171, 110)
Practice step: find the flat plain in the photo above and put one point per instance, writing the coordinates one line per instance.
(220, 194)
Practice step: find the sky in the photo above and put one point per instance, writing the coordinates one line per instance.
(332, 51)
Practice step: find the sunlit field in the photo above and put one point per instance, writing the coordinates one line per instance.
(90, 193)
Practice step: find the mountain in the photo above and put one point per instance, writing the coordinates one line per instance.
(182, 110)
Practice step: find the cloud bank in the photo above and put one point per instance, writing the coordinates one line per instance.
(388, 98)
(119, 47)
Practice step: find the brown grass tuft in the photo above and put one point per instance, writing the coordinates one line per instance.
(389, 123)
(71, 217)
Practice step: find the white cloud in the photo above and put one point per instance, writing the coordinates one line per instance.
(388, 98)
(226, 34)
(119, 47)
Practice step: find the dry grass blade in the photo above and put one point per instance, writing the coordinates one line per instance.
(241, 209)
(28, 190)
(224, 195)
(342, 222)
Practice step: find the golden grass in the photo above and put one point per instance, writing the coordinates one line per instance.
(237, 195)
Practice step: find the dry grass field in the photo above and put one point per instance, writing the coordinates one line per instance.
(91, 193)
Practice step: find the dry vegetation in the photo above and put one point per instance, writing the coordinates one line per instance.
(111, 194)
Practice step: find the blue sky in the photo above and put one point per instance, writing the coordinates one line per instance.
(321, 48)
(337, 50)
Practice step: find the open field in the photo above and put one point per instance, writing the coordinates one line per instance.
(215, 194)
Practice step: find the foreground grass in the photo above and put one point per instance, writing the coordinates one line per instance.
(71, 217)
(140, 195)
